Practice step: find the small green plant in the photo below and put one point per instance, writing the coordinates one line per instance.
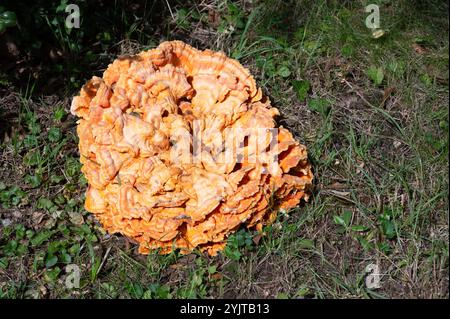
(197, 284)
(241, 240)
(376, 75)
(320, 105)
(302, 88)
(396, 67)
(7, 19)
(387, 224)
(284, 71)
(345, 222)
(135, 290)
(347, 50)
(158, 291)
(11, 196)
(59, 114)
(182, 18)
(233, 19)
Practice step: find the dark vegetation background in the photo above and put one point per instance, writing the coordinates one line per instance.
(372, 111)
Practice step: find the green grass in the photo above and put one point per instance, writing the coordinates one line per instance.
(372, 112)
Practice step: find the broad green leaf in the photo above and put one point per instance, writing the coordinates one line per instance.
(359, 228)
(33, 180)
(44, 203)
(376, 75)
(338, 220)
(347, 217)
(41, 237)
(50, 261)
(59, 114)
(366, 245)
(388, 228)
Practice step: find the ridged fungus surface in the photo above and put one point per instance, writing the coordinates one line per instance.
(180, 149)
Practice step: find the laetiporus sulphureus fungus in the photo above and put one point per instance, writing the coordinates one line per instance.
(180, 149)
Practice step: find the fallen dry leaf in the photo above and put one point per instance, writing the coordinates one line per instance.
(37, 218)
(337, 185)
(76, 218)
(217, 276)
(257, 238)
(418, 48)
(360, 167)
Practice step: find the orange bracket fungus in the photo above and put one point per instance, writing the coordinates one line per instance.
(180, 149)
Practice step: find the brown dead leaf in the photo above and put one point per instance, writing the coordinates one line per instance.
(387, 93)
(43, 290)
(217, 276)
(37, 218)
(360, 167)
(213, 17)
(338, 193)
(76, 218)
(418, 48)
(257, 238)
(337, 185)
(176, 266)
(50, 223)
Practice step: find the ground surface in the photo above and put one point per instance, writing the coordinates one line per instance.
(372, 112)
